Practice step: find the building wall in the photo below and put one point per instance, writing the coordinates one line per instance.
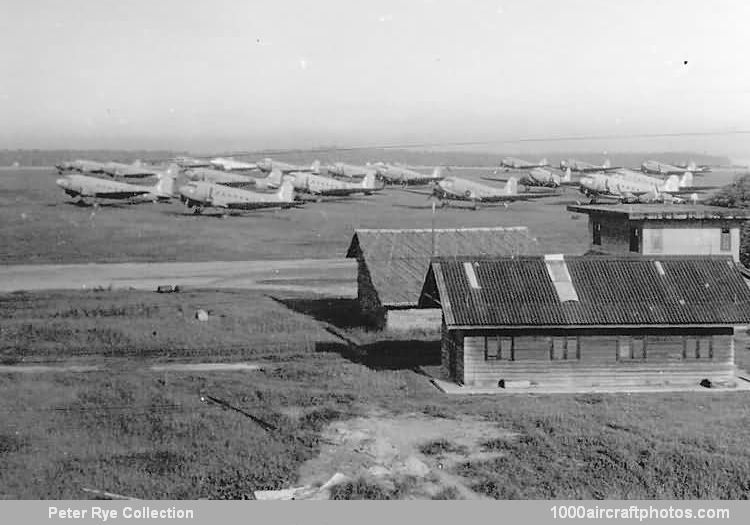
(427, 320)
(602, 359)
(452, 354)
(367, 297)
(679, 238)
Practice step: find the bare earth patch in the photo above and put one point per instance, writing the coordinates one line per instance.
(387, 450)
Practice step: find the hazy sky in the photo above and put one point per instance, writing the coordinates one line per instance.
(229, 74)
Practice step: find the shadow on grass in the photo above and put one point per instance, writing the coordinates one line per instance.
(339, 312)
(388, 355)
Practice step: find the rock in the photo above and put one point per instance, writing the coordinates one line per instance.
(201, 315)
(706, 383)
(413, 466)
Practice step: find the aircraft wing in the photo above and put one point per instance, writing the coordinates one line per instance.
(520, 196)
(123, 194)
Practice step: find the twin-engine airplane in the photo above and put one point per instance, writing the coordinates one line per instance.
(340, 169)
(320, 186)
(509, 163)
(231, 164)
(540, 177)
(269, 165)
(458, 189)
(200, 195)
(85, 186)
(662, 168)
(628, 186)
(395, 174)
(580, 166)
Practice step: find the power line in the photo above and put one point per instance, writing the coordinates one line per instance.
(568, 138)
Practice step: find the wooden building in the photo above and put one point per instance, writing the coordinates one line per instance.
(586, 321)
(676, 229)
(392, 265)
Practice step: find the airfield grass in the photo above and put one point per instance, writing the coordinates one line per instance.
(40, 224)
(130, 430)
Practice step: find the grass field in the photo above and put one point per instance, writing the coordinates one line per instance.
(40, 224)
(130, 430)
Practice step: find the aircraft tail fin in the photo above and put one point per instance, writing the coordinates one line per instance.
(544, 162)
(168, 183)
(286, 191)
(511, 186)
(691, 166)
(368, 182)
(315, 166)
(606, 165)
(437, 173)
(686, 181)
(672, 184)
(274, 178)
(567, 176)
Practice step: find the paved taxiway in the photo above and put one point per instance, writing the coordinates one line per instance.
(333, 277)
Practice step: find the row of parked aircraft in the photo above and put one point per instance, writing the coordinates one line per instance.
(200, 183)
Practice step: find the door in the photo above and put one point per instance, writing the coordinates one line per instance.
(635, 239)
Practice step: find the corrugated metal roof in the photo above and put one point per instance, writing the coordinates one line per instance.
(611, 291)
(660, 212)
(399, 259)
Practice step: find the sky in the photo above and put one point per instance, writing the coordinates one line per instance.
(225, 75)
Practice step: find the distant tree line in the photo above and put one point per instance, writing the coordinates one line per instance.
(41, 157)
(737, 195)
(45, 157)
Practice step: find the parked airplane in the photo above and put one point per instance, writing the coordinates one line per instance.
(625, 189)
(327, 187)
(520, 164)
(540, 177)
(84, 186)
(268, 165)
(395, 174)
(661, 168)
(341, 169)
(693, 167)
(191, 162)
(231, 164)
(81, 166)
(118, 169)
(585, 167)
(199, 195)
(684, 184)
(455, 188)
(227, 178)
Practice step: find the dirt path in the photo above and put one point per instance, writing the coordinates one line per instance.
(335, 277)
(386, 449)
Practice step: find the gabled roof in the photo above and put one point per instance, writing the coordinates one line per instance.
(399, 259)
(609, 291)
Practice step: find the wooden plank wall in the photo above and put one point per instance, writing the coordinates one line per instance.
(369, 302)
(452, 348)
(599, 364)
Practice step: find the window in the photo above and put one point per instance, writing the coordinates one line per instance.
(597, 227)
(631, 348)
(624, 349)
(726, 240)
(657, 240)
(697, 348)
(564, 348)
(496, 347)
